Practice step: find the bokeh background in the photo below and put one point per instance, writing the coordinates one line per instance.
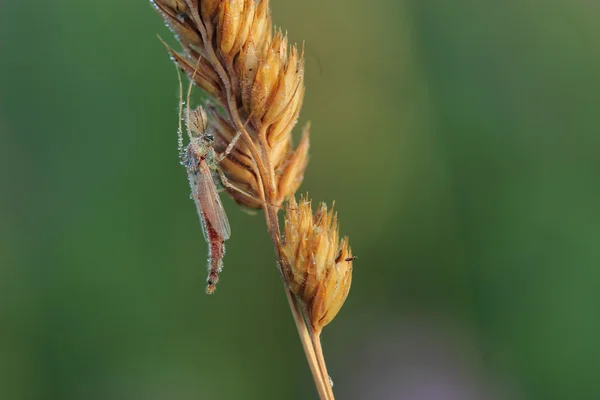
(459, 139)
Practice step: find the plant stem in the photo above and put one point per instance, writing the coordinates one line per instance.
(307, 344)
(316, 340)
(316, 362)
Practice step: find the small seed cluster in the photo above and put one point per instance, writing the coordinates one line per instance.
(318, 266)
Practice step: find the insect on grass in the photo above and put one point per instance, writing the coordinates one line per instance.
(252, 74)
(199, 160)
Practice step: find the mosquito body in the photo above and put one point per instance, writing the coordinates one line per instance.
(199, 160)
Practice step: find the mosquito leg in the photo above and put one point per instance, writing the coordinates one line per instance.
(234, 141)
(226, 184)
(229, 148)
(179, 128)
(229, 185)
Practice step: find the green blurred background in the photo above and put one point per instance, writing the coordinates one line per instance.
(460, 140)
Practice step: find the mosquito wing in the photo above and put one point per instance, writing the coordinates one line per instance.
(209, 201)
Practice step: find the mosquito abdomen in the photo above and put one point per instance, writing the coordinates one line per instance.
(216, 251)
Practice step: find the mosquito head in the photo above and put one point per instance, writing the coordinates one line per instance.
(207, 139)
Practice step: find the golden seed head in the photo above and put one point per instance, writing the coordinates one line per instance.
(264, 86)
(317, 266)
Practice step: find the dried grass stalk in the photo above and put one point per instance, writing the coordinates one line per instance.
(256, 82)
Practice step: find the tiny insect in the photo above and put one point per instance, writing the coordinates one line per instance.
(199, 160)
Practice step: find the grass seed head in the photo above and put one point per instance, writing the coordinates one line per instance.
(256, 77)
(317, 265)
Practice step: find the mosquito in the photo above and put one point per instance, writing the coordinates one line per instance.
(200, 160)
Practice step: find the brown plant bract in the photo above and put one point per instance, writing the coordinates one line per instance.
(258, 80)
